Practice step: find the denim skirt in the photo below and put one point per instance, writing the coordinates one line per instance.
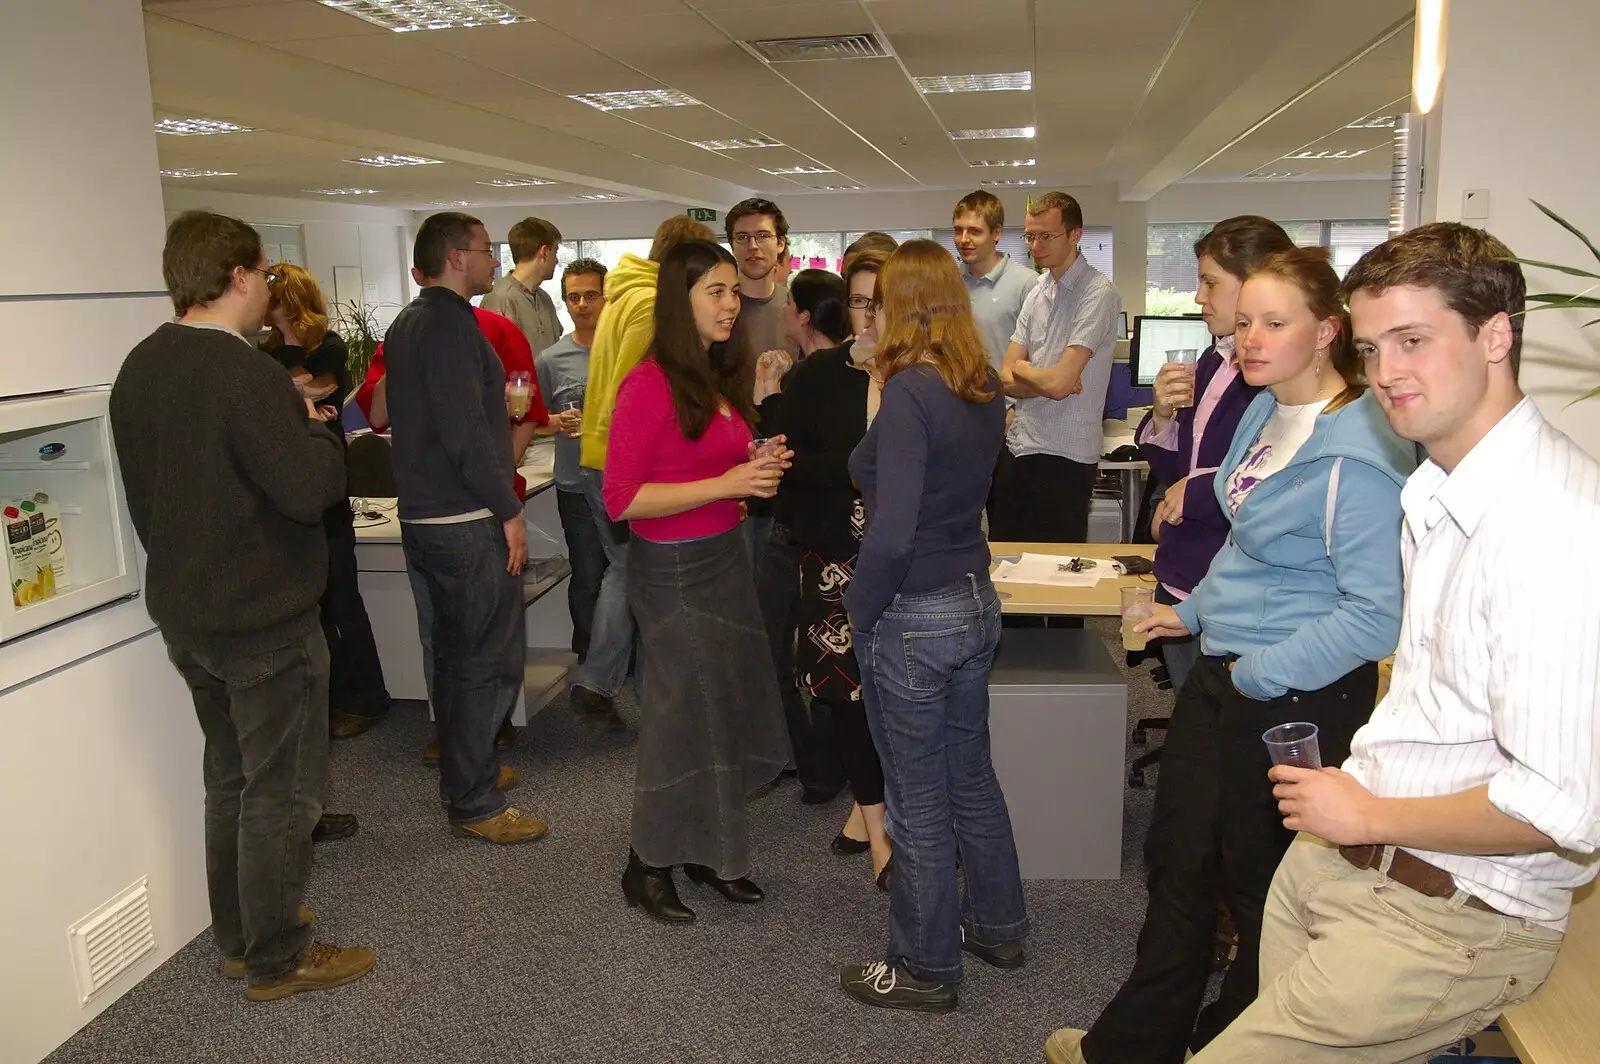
(711, 730)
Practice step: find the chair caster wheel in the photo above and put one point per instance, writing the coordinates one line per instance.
(1136, 777)
(1139, 737)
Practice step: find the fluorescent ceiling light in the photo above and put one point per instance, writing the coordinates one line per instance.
(1020, 81)
(449, 203)
(737, 142)
(185, 171)
(1428, 53)
(1328, 153)
(1375, 122)
(343, 191)
(837, 188)
(1002, 162)
(406, 16)
(516, 182)
(784, 171)
(199, 127)
(630, 99)
(1014, 182)
(1273, 176)
(395, 160)
(1002, 133)
(599, 196)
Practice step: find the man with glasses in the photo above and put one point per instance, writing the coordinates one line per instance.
(535, 244)
(234, 576)
(1056, 368)
(460, 518)
(563, 377)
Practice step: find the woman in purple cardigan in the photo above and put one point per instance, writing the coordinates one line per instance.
(1191, 424)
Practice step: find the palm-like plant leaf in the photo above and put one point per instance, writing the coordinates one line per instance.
(1569, 227)
(1573, 270)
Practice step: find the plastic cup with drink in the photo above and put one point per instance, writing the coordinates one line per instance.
(765, 447)
(1138, 603)
(1188, 357)
(519, 393)
(1294, 744)
(572, 410)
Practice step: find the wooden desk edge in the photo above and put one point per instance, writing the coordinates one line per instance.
(1015, 597)
(1558, 1024)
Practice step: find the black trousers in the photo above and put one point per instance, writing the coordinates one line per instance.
(355, 683)
(1215, 830)
(856, 750)
(587, 555)
(811, 736)
(1040, 498)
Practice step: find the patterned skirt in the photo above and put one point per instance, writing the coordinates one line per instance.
(824, 659)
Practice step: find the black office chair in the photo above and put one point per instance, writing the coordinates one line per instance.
(370, 463)
(1163, 681)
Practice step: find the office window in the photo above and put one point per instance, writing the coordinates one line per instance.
(1170, 264)
(816, 251)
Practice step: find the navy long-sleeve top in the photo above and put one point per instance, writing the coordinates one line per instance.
(924, 468)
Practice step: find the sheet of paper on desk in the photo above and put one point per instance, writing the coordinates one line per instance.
(1054, 570)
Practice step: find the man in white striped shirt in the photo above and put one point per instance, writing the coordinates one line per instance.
(1432, 879)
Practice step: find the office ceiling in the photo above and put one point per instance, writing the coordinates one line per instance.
(1140, 93)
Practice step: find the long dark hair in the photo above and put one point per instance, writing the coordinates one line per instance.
(700, 379)
(824, 296)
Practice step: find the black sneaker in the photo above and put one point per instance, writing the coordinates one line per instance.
(1006, 955)
(892, 987)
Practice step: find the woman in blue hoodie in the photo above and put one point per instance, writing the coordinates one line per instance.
(1299, 604)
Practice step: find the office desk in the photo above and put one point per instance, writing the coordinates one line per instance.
(1559, 1024)
(1116, 433)
(1058, 722)
(386, 590)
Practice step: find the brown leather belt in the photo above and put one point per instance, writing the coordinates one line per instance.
(1409, 870)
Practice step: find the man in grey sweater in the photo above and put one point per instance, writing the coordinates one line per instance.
(226, 491)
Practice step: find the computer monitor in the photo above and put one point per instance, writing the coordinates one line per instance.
(1156, 336)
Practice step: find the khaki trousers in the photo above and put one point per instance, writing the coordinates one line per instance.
(1358, 969)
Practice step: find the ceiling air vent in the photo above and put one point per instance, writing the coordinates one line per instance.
(815, 49)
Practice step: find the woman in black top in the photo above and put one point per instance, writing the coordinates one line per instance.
(315, 357)
(827, 407)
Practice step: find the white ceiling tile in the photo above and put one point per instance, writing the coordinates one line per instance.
(283, 20)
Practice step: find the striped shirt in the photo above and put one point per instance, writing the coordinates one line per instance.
(1497, 675)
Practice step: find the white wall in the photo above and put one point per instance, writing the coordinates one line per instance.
(1517, 119)
(377, 240)
(1284, 201)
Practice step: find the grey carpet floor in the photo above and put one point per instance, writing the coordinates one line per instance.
(489, 954)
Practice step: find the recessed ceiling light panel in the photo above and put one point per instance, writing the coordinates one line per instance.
(1002, 162)
(1020, 81)
(343, 191)
(408, 16)
(1001, 133)
(1012, 183)
(785, 171)
(837, 188)
(1275, 175)
(733, 143)
(1375, 122)
(185, 171)
(395, 160)
(631, 99)
(599, 196)
(199, 127)
(1327, 153)
(516, 182)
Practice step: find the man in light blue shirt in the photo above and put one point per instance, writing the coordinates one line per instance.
(1056, 367)
(997, 284)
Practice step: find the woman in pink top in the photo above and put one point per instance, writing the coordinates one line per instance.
(678, 465)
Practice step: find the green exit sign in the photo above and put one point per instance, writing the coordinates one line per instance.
(702, 214)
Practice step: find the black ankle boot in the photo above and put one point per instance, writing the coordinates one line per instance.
(652, 890)
(740, 890)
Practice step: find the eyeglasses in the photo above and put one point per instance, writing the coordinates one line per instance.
(866, 303)
(1041, 238)
(744, 240)
(486, 251)
(267, 275)
(583, 297)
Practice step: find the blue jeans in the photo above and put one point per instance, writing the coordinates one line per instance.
(611, 641)
(587, 555)
(477, 652)
(757, 530)
(925, 679)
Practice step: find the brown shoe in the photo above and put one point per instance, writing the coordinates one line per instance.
(323, 968)
(430, 753)
(234, 969)
(507, 779)
(511, 826)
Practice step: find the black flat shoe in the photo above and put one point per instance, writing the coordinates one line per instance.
(739, 890)
(334, 826)
(886, 876)
(1004, 955)
(892, 987)
(845, 846)
(652, 890)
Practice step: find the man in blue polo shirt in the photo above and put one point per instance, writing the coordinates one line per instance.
(997, 284)
(1056, 368)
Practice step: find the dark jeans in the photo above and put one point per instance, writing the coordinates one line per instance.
(265, 721)
(1178, 655)
(1040, 498)
(758, 529)
(478, 653)
(611, 640)
(810, 731)
(1215, 831)
(925, 678)
(587, 555)
(355, 683)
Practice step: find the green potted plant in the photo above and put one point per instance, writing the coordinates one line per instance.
(1584, 300)
(358, 324)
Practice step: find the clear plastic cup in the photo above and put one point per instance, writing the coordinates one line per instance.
(1187, 357)
(765, 447)
(1294, 744)
(1138, 603)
